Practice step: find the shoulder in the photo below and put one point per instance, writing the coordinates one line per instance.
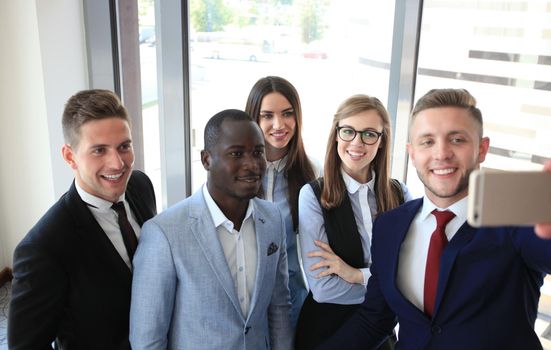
(401, 213)
(139, 182)
(53, 228)
(190, 208)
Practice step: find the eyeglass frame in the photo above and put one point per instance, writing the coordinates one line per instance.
(356, 132)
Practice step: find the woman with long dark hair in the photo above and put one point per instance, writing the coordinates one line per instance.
(274, 104)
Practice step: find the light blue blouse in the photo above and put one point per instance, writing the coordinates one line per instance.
(333, 289)
(275, 187)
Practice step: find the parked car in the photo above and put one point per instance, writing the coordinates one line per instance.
(315, 49)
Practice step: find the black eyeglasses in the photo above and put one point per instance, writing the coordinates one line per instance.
(368, 137)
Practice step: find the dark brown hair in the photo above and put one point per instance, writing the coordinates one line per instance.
(460, 98)
(298, 170)
(334, 188)
(88, 105)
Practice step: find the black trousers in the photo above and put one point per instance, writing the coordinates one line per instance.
(317, 322)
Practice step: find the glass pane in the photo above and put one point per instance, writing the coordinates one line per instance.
(501, 52)
(150, 111)
(329, 50)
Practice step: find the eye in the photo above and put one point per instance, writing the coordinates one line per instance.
(126, 147)
(370, 134)
(288, 114)
(236, 154)
(98, 150)
(426, 142)
(347, 131)
(258, 153)
(266, 116)
(457, 140)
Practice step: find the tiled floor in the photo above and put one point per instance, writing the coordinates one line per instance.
(4, 301)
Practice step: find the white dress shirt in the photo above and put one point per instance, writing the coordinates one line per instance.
(108, 220)
(239, 249)
(415, 247)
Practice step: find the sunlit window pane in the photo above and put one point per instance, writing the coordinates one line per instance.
(328, 49)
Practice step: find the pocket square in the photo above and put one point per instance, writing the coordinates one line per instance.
(272, 248)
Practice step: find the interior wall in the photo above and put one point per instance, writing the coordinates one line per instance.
(41, 65)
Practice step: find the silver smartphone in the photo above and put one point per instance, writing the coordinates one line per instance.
(502, 198)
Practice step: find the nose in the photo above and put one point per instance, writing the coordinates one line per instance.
(254, 163)
(115, 160)
(357, 140)
(442, 150)
(278, 122)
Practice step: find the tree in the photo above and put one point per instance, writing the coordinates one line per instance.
(311, 19)
(209, 15)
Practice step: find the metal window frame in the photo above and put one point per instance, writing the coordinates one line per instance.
(105, 70)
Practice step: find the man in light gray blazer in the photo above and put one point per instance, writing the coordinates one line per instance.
(211, 271)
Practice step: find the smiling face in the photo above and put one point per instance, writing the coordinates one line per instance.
(103, 158)
(445, 148)
(277, 121)
(235, 164)
(356, 156)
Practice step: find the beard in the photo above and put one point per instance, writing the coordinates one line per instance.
(451, 192)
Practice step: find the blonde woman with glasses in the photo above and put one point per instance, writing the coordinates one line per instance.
(336, 213)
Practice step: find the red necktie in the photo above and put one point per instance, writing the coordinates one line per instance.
(128, 235)
(438, 242)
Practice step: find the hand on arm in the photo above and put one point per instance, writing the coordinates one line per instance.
(331, 264)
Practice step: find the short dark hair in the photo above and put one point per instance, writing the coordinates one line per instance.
(88, 105)
(212, 129)
(460, 98)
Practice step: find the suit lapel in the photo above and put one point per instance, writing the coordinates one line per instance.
(205, 233)
(401, 227)
(263, 240)
(93, 237)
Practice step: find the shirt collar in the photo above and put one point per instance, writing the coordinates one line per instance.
(277, 165)
(94, 201)
(459, 208)
(218, 216)
(352, 186)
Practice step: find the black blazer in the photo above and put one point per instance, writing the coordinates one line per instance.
(70, 284)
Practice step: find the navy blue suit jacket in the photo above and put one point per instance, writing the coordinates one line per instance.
(487, 296)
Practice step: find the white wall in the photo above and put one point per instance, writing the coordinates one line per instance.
(41, 64)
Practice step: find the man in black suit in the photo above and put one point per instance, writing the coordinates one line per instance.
(73, 270)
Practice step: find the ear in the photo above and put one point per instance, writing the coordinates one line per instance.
(483, 149)
(68, 155)
(205, 159)
(409, 148)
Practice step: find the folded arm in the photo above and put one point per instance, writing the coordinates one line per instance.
(326, 288)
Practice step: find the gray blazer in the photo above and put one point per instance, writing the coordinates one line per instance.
(183, 295)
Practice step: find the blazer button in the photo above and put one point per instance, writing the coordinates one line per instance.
(247, 330)
(436, 329)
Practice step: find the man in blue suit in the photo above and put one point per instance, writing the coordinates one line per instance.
(485, 290)
(211, 271)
